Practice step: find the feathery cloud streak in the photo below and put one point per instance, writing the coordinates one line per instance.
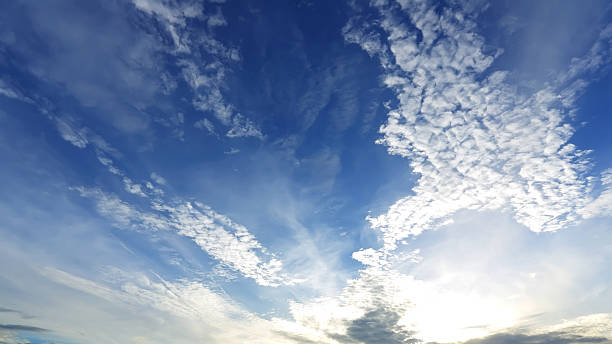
(203, 60)
(226, 241)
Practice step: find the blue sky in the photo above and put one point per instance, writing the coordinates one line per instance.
(305, 172)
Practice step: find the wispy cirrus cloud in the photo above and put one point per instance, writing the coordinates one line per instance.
(229, 243)
(10, 92)
(133, 304)
(602, 204)
(186, 299)
(133, 91)
(204, 61)
(224, 240)
(205, 124)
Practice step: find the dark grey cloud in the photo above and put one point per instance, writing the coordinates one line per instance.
(379, 325)
(11, 327)
(545, 338)
(8, 310)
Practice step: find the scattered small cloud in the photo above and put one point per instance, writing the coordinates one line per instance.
(158, 179)
(10, 92)
(232, 151)
(78, 137)
(243, 127)
(207, 125)
(133, 188)
(510, 24)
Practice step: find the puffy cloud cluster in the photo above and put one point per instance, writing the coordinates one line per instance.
(477, 141)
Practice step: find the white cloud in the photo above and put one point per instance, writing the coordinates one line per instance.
(121, 213)
(207, 83)
(109, 164)
(426, 310)
(158, 179)
(205, 124)
(471, 281)
(232, 151)
(597, 58)
(602, 204)
(184, 298)
(510, 24)
(132, 187)
(222, 239)
(81, 137)
(229, 243)
(243, 127)
(172, 14)
(217, 19)
(77, 137)
(226, 241)
(606, 177)
(476, 141)
(595, 325)
(188, 310)
(205, 76)
(173, 121)
(8, 91)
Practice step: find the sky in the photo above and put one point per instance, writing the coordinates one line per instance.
(384, 171)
